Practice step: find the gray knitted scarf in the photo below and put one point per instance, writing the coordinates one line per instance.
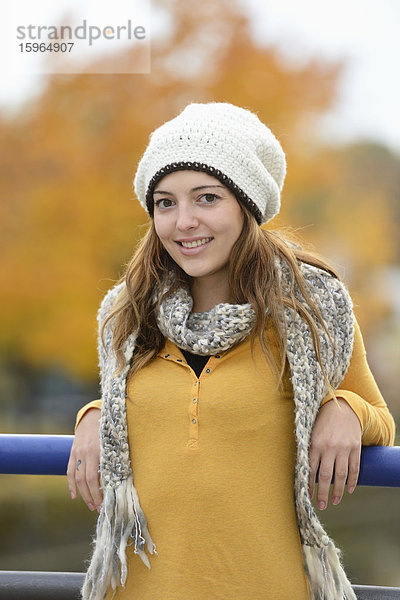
(122, 521)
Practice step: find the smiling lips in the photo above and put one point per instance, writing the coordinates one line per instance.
(195, 243)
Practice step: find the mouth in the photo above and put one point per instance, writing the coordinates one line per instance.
(194, 247)
(195, 243)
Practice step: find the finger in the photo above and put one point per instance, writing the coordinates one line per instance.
(324, 480)
(71, 476)
(93, 482)
(354, 469)
(314, 460)
(84, 491)
(341, 471)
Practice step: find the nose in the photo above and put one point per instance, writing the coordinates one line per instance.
(186, 218)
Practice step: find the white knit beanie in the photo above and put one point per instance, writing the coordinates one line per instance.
(225, 141)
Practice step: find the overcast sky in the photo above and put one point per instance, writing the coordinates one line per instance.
(364, 32)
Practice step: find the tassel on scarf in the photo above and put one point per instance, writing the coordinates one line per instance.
(120, 519)
(326, 577)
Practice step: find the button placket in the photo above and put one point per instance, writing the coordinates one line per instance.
(194, 405)
(194, 415)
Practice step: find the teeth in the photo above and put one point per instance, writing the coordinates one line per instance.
(196, 243)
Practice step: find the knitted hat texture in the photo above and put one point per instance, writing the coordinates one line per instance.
(226, 141)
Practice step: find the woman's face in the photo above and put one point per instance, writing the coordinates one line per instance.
(198, 220)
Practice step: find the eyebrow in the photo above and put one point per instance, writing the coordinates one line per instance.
(195, 189)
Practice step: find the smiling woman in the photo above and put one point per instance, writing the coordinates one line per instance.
(232, 369)
(198, 229)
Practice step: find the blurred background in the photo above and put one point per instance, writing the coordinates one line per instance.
(323, 79)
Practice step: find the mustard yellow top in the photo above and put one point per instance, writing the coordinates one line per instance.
(213, 459)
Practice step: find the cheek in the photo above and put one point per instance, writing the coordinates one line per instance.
(237, 229)
(161, 227)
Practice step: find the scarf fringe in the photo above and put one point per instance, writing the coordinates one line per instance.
(121, 518)
(326, 576)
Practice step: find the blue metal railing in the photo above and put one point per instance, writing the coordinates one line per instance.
(34, 454)
(48, 455)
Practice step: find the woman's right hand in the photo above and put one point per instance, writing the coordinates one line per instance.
(84, 461)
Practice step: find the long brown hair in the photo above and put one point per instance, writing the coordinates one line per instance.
(253, 277)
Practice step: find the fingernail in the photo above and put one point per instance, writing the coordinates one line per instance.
(73, 495)
(336, 500)
(322, 505)
(98, 508)
(90, 506)
(351, 489)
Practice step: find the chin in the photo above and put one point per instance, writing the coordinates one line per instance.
(200, 273)
(195, 273)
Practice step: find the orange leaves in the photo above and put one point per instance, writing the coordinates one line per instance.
(68, 217)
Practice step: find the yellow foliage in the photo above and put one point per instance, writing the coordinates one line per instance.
(69, 219)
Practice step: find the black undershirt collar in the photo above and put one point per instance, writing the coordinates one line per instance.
(195, 361)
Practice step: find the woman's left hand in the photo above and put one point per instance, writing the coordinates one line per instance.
(335, 448)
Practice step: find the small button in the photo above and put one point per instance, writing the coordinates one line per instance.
(178, 360)
(194, 421)
(208, 370)
(217, 356)
(195, 400)
(196, 382)
(166, 356)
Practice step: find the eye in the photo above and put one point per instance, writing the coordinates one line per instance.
(208, 198)
(164, 203)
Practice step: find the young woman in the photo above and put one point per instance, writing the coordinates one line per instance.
(232, 368)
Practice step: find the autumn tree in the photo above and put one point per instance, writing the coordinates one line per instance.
(68, 216)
